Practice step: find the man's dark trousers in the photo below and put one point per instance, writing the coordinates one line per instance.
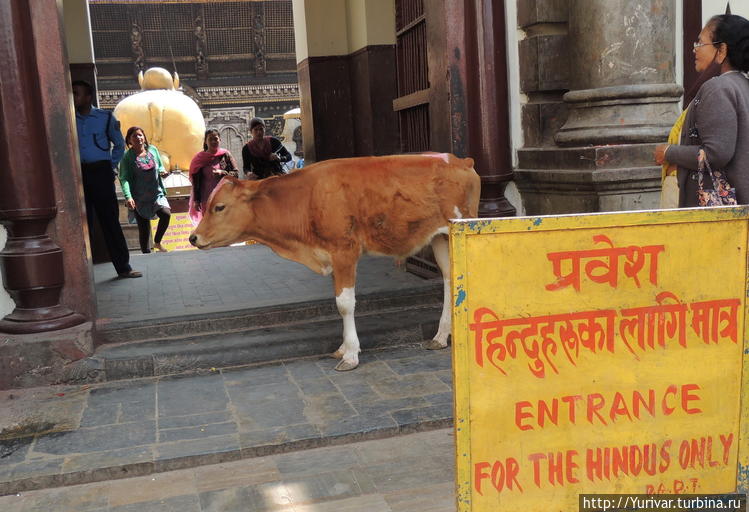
(101, 200)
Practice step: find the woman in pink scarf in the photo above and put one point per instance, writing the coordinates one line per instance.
(206, 170)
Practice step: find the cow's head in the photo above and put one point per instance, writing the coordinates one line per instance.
(226, 217)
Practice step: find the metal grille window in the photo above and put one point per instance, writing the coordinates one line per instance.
(229, 29)
(230, 41)
(109, 18)
(278, 14)
(279, 40)
(228, 15)
(110, 45)
(157, 17)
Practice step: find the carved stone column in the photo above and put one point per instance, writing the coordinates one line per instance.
(623, 88)
(623, 100)
(31, 263)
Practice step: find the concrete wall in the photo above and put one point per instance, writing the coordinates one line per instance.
(370, 23)
(320, 28)
(325, 28)
(77, 23)
(712, 7)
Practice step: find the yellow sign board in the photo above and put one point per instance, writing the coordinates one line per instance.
(177, 234)
(599, 353)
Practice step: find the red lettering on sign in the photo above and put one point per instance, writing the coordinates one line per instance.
(545, 413)
(520, 415)
(638, 400)
(560, 467)
(595, 403)
(664, 403)
(687, 397)
(726, 441)
(502, 475)
(603, 264)
(544, 340)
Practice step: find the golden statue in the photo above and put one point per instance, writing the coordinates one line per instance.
(171, 120)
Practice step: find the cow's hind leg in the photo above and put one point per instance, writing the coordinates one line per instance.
(344, 278)
(442, 255)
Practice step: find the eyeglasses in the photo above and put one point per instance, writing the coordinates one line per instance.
(697, 44)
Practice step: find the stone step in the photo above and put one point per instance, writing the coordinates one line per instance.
(68, 435)
(218, 322)
(261, 344)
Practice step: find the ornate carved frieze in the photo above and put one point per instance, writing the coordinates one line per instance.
(219, 95)
(248, 93)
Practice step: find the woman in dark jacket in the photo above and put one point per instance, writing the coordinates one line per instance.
(263, 155)
(717, 119)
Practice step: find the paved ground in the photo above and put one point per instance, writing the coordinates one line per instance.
(154, 425)
(229, 278)
(411, 473)
(234, 426)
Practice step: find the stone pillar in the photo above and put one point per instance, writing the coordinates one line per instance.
(623, 89)
(31, 263)
(623, 100)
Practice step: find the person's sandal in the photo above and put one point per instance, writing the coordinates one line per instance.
(160, 248)
(132, 273)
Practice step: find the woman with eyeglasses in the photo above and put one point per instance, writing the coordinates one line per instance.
(717, 119)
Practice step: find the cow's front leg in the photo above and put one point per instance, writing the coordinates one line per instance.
(442, 255)
(344, 278)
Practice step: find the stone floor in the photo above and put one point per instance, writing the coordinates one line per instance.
(410, 473)
(145, 426)
(230, 278)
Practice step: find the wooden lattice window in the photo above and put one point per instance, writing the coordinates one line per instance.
(412, 103)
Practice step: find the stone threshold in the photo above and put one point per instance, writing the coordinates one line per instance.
(138, 427)
(135, 469)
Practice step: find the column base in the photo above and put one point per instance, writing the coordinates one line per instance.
(20, 321)
(493, 202)
(30, 360)
(589, 179)
(620, 115)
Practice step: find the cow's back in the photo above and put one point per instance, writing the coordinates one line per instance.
(388, 205)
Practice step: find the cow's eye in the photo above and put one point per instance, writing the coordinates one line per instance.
(219, 207)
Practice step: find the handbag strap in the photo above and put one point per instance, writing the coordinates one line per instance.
(703, 166)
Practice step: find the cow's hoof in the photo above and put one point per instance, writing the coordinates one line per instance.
(345, 366)
(433, 345)
(338, 354)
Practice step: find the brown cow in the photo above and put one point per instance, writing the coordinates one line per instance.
(328, 214)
